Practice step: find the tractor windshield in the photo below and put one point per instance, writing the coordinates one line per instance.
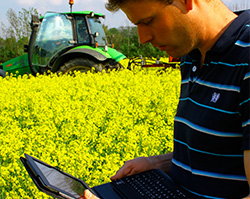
(96, 26)
(54, 34)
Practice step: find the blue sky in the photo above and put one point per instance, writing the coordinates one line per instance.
(112, 20)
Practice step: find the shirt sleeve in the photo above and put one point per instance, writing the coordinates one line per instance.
(245, 110)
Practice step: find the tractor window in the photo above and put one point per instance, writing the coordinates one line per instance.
(96, 26)
(54, 35)
(82, 30)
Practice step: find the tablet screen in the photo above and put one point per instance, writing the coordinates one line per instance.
(61, 181)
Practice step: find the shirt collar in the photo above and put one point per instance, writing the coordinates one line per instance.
(231, 35)
(228, 38)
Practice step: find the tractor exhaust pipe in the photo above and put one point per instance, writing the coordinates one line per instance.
(34, 26)
(71, 3)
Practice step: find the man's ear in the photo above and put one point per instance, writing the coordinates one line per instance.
(189, 4)
(184, 5)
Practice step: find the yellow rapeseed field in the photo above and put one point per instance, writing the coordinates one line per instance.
(86, 125)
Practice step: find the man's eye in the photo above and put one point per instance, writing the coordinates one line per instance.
(147, 22)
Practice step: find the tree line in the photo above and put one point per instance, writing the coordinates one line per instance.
(126, 40)
(14, 36)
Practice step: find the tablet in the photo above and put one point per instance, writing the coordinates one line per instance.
(56, 180)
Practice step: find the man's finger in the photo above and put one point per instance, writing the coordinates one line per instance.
(122, 172)
(88, 195)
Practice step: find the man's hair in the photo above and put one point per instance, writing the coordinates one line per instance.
(114, 5)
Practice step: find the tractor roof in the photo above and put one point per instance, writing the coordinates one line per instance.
(77, 13)
(85, 13)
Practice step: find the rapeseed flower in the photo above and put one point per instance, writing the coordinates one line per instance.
(86, 125)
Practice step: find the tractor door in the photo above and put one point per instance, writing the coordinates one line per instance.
(55, 34)
(83, 34)
(96, 27)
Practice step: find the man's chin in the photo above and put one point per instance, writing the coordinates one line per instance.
(162, 48)
(169, 50)
(172, 51)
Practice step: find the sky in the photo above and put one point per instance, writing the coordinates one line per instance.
(112, 19)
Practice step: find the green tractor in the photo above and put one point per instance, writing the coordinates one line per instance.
(65, 42)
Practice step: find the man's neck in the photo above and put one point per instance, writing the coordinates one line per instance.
(215, 24)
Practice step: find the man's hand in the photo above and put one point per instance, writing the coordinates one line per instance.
(141, 164)
(134, 166)
(88, 195)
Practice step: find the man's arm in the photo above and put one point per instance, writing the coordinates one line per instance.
(247, 166)
(141, 164)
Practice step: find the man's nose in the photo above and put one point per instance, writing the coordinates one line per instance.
(145, 34)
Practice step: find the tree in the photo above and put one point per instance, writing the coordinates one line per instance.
(126, 40)
(16, 33)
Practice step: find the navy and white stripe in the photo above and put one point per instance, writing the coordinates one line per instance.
(213, 85)
(242, 43)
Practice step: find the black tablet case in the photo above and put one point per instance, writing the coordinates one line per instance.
(104, 191)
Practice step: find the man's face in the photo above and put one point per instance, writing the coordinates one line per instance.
(164, 26)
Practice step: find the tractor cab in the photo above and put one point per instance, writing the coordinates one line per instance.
(59, 32)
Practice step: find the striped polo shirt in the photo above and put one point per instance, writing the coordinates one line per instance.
(212, 124)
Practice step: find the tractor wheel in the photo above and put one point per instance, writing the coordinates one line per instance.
(114, 66)
(80, 64)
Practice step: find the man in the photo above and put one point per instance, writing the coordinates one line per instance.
(211, 157)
